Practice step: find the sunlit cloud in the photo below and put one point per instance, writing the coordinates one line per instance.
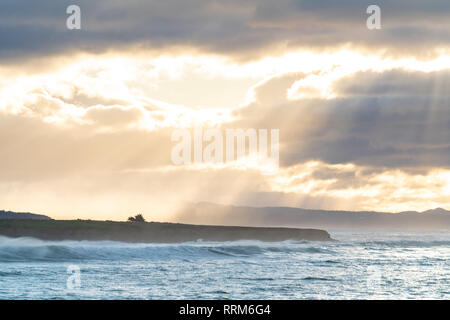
(357, 131)
(385, 190)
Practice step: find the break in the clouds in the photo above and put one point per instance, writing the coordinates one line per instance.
(242, 29)
(86, 117)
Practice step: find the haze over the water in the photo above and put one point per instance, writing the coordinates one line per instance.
(87, 116)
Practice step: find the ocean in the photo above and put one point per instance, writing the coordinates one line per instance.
(359, 265)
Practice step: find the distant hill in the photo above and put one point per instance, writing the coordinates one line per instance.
(22, 216)
(208, 213)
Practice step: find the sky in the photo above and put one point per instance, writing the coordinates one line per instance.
(87, 116)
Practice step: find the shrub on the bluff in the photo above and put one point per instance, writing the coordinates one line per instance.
(137, 218)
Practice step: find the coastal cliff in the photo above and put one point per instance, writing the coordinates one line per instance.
(153, 232)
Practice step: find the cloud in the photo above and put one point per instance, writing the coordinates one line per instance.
(371, 136)
(393, 118)
(233, 28)
(395, 83)
(113, 116)
(396, 119)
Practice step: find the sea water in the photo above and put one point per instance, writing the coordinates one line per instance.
(359, 265)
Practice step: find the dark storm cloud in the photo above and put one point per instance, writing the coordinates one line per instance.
(396, 82)
(241, 28)
(396, 119)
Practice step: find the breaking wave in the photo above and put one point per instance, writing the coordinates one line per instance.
(30, 249)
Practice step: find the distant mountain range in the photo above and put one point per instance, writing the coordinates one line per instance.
(214, 214)
(208, 213)
(22, 216)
